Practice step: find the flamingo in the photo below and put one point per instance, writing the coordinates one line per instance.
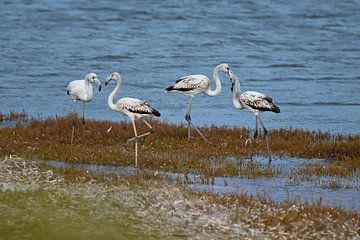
(193, 85)
(256, 103)
(132, 107)
(82, 90)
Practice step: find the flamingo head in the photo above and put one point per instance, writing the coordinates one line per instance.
(114, 76)
(224, 67)
(93, 78)
(233, 79)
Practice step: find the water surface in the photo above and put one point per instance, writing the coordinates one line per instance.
(304, 54)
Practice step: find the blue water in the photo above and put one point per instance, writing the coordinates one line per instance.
(304, 54)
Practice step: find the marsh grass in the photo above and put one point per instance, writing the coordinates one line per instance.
(290, 215)
(13, 116)
(337, 169)
(100, 142)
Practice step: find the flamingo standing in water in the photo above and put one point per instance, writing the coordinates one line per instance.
(256, 103)
(82, 90)
(193, 85)
(132, 107)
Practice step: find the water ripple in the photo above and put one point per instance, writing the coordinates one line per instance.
(303, 49)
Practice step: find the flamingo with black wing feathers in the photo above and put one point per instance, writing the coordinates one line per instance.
(256, 103)
(132, 107)
(193, 85)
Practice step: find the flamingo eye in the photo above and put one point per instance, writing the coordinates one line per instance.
(93, 77)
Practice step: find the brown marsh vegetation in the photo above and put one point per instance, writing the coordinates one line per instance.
(169, 149)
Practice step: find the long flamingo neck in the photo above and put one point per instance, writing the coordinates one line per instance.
(87, 83)
(236, 95)
(113, 94)
(88, 88)
(216, 78)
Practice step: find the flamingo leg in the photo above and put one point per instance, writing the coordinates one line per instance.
(151, 129)
(140, 136)
(190, 124)
(256, 134)
(83, 122)
(188, 117)
(136, 142)
(73, 124)
(72, 133)
(198, 131)
(266, 139)
(137, 137)
(83, 116)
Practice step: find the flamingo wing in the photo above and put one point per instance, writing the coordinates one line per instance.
(259, 101)
(77, 90)
(136, 106)
(190, 83)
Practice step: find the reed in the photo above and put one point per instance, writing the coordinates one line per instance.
(13, 116)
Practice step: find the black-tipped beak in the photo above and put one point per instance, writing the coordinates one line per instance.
(106, 83)
(232, 86)
(99, 88)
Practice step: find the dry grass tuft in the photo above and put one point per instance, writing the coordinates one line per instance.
(18, 170)
(13, 116)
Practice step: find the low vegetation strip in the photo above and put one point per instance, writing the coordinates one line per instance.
(169, 149)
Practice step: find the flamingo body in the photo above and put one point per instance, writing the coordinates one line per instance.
(132, 107)
(255, 102)
(193, 85)
(82, 90)
(259, 102)
(135, 108)
(190, 85)
(78, 90)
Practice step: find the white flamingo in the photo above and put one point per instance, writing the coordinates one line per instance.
(132, 107)
(193, 85)
(82, 90)
(256, 103)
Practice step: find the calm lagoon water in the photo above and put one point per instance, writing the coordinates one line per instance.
(304, 54)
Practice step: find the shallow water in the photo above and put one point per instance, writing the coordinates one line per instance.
(304, 54)
(280, 188)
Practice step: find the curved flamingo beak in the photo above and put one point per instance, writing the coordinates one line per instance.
(232, 78)
(108, 79)
(98, 84)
